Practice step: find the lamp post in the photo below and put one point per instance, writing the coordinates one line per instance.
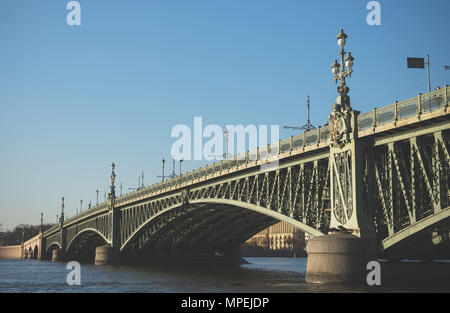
(112, 193)
(97, 196)
(181, 161)
(163, 164)
(62, 210)
(341, 72)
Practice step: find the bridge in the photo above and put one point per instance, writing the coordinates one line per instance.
(392, 184)
(382, 176)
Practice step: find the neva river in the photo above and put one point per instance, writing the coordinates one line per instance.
(261, 275)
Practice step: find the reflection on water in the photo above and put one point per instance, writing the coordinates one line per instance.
(260, 275)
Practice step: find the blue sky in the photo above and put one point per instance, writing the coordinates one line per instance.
(75, 98)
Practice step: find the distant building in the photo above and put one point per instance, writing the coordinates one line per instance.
(281, 236)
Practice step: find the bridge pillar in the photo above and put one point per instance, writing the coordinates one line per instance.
(341, 256)
(105, 255)
(338, 257)
(58, 255)
(41, 247)
(109, 254)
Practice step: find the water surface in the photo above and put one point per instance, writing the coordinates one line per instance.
(260, 275)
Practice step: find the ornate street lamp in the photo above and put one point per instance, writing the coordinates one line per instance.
(112, 193)
(342, 71)
(163, 164)
(62, 210)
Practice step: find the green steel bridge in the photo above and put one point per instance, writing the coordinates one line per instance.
(383, 174)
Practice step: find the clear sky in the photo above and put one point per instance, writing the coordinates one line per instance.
(75, 98)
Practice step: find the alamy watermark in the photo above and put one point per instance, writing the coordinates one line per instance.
(74, 16)
(74, 276)
(235, 141)
(373, 278)
(374, 16)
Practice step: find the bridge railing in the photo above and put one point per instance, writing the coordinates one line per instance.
(51, 229)
(403, 109)
(80, 215)
(394, 112)
(291, 144)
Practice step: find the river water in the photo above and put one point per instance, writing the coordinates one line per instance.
(265, 275)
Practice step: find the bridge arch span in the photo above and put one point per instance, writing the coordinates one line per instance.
(83, 232)
(83, 244)
(53, 245)
(221, 223)
(271, 213)
(139, 229)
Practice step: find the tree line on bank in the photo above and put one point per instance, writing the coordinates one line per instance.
(21, 232)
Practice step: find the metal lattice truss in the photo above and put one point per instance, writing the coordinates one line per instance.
(296, 192)
(410, 175)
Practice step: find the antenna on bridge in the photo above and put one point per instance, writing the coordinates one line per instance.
(308, 125)
(226, 154)
(140, 184)
(173, 175)
(226, 133)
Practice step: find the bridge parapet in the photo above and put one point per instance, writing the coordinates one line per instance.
(400, 110)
